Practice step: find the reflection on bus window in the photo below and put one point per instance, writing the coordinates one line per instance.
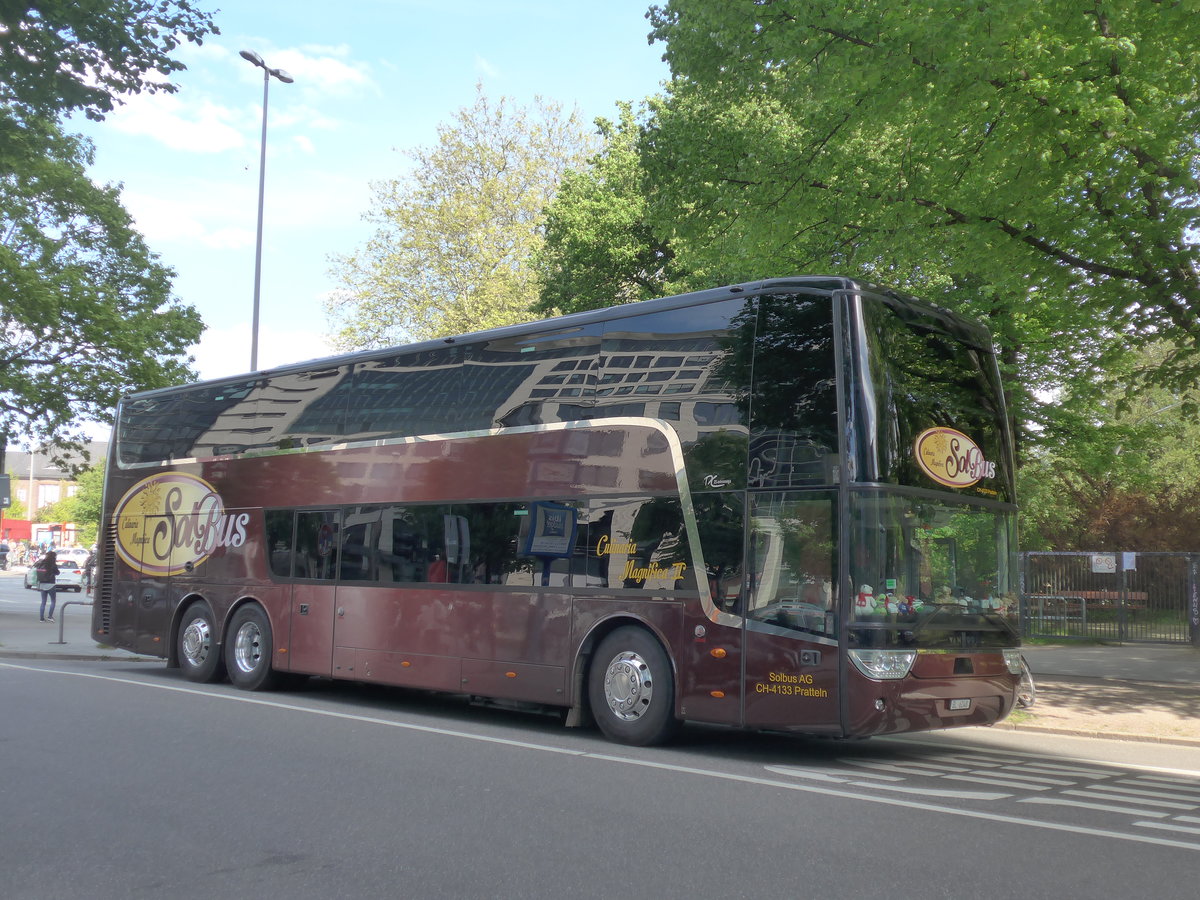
(279, 524)
(719, 522)
(926, 573)
(639, 544)
(793, 562)
(316, 544)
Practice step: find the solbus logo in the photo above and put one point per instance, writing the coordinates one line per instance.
(172, 522)
(951, 458)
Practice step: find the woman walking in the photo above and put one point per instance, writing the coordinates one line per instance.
(47, 575)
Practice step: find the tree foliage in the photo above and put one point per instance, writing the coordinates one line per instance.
(66, 55)
(87, 313)
(1128, 479)
(601, 246)
(1046, 152)
(455, 236)
(85, 306)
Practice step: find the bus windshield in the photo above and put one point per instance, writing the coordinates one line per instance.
(931, 574)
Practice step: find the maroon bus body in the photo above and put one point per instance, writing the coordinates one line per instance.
(507, 644)
(530, 643)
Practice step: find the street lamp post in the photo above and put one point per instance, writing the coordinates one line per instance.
(253, 58)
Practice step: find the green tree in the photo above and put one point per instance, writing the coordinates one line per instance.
(66, 55)
(1028, 164)
(1042, 155)
(1128, 478)
(85, 306)
(454, 239)
(601, 247)
(17, 509)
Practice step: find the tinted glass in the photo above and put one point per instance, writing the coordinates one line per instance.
(637, 544)
(719, 521)
(534, 379)
(792, 542)
(317, 540)
(281, 412)
(279, 540)
(930, 574)
(407, 394)
(921, 369)
(793, 402)
(683, 365)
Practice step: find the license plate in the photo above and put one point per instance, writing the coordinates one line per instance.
(960, 704)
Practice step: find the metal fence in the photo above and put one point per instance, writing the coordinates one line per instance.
(1125, 596)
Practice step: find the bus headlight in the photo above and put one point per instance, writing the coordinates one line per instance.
(885, 665)
(1012, 659)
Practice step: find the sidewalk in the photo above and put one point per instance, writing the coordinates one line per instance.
(1137, 692)
(22, 636)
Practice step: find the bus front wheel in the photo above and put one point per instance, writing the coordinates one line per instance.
(248, 650)
(631, 688)
(197, 647)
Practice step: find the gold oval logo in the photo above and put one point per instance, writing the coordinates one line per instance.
(951, 458)
(171, 522)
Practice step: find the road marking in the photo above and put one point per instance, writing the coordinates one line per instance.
(1079, 766)
(1104, 807)
(1037, 779)
(1128, 799)
(844, 778)
(838, 774)
(1002, 782)
(1167, 826)
(776, 783)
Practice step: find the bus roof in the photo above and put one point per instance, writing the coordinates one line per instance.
(827, 284)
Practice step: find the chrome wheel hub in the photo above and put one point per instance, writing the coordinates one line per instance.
(197, 642)
(628, 686)
(247, 648)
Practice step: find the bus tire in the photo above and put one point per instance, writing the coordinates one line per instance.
(631, 688)
(196, 646)
(248, 650)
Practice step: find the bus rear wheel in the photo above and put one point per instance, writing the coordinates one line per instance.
(631, 688)
(196, 646)
(248, 650)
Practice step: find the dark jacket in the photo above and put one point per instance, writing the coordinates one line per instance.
(47, 569)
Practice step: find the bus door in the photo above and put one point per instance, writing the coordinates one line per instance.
(311, 565)
(791, 652)
(140, 613)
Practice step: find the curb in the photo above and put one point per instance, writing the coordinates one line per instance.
(74, 657)
(1102, 735)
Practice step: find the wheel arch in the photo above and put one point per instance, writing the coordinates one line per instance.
(222, 625)
(579, 712)
(185, 603)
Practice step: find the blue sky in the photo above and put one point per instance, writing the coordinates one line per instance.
(373, 79)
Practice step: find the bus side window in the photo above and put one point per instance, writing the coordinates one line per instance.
(719, 522)
(317, 544)
(793, 564)
(491, 531)
(358, 553)
(279, 527)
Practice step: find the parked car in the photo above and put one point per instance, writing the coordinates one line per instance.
(70, 570)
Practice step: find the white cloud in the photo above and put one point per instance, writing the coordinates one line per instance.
(486, 68)
(318, 71)
(204, 127)
(226, 351)
(194, 213)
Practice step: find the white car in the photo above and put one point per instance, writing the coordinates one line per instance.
(70, 570)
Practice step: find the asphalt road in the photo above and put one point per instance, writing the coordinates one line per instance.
(120, 779)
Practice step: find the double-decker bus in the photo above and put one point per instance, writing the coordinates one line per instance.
(782, 505)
